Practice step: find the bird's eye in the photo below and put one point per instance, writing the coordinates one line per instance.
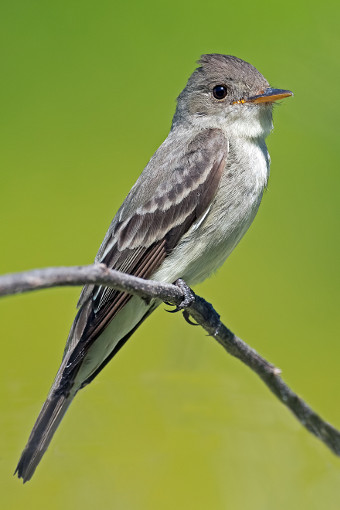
(220, 91)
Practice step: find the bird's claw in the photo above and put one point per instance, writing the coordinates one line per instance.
(186, 316)
(188, 299)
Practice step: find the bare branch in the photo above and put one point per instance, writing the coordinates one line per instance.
(98, 274)
(201, 311)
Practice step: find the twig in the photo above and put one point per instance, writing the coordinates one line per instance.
(200, 310)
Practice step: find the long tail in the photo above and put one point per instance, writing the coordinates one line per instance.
(48, 420)
(58, 401)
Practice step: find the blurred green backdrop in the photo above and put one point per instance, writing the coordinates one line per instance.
(172, 422)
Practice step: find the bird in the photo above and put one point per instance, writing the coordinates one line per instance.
(191, 205)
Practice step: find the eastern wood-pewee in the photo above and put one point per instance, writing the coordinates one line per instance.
(187, 211)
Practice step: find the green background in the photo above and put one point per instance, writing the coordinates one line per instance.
(87, 94)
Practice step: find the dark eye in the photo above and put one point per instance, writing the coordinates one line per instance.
(220, 91)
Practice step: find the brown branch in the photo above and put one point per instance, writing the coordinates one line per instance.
(199, 310)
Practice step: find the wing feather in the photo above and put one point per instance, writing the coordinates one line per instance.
(138, 241)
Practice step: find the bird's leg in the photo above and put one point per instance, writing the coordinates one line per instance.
(188, 299)
(189, 295)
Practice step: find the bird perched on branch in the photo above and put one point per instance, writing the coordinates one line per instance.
(189, 208)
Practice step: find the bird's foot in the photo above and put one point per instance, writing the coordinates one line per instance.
(188, 299)
(186, 316)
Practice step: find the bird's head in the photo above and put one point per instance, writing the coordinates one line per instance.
(228, 93)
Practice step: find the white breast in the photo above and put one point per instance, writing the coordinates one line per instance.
(208, 243)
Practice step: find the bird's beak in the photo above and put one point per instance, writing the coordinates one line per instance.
(269, 96)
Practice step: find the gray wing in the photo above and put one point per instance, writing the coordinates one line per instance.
(149, 225)
(174, 191)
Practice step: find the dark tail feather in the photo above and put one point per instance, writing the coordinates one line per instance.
(56, 406)
(47, 423)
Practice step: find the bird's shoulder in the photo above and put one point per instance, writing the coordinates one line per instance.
(184, 158)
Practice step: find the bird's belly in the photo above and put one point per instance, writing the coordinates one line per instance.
(203, 250)
(208, 243)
